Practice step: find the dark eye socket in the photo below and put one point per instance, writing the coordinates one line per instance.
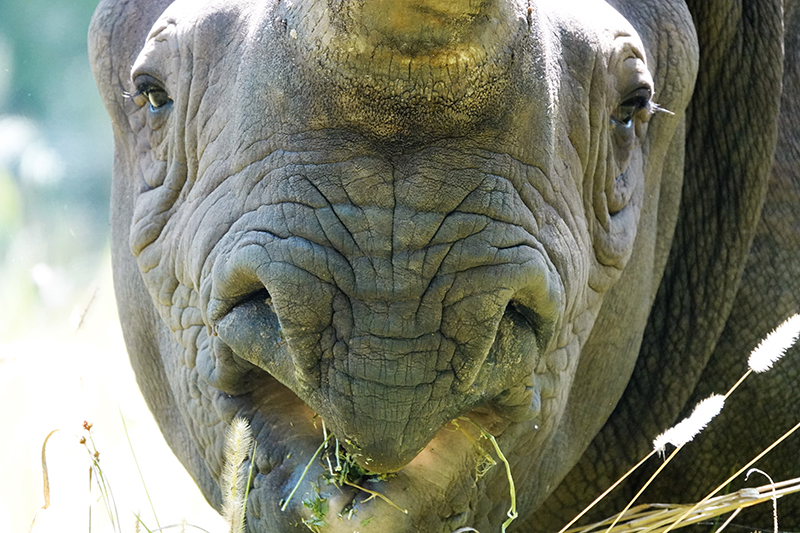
(635, 102)
(150, 90)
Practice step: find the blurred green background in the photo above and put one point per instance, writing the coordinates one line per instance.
(55, 161)
(62, 359)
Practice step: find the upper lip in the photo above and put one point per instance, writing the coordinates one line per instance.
(241, 328)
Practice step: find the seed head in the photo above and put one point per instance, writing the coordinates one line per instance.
(234, 478)
(775, 345)
(688, 428)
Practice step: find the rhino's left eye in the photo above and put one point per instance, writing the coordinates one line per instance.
(149, 90)
(639, 100)
(628, 122)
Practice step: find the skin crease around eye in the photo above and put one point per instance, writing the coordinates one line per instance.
(630, 117)
(635, 90)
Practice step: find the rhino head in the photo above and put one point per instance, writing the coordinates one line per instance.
(385, 216)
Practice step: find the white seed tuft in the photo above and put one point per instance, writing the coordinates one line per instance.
(775, 345)
(688, 428)
(233, 481)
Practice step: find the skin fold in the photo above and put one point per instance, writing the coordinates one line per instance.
(405, 220)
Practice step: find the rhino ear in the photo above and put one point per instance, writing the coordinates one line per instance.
(116, 36)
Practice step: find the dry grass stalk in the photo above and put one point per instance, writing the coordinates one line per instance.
(660, 518)
(138, 469)
(100, 479)
(45, 476)
(738, 473)
(678, 435)
(761, 359)
(774, 498)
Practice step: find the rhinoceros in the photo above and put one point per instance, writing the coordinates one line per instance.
(563, 222)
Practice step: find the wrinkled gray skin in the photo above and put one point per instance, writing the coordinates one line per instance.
(395, 213)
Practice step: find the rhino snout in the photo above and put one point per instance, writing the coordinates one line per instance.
(385, 365)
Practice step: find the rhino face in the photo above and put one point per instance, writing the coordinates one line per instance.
(385, 216)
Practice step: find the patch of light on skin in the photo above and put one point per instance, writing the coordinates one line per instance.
(552, 71)
(446, 453)
(387, 18)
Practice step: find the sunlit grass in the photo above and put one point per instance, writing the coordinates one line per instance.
(56, 377)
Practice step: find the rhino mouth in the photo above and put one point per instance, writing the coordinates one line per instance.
(289, 434)
(300, 477)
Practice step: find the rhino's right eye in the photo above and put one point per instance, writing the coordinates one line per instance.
(150, 90)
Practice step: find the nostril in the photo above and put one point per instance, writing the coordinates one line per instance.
(250, 328)
(522, 315)
(525, 317)
(260, 296)
(259, 299)
(226, 297)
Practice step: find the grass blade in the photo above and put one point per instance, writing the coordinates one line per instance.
(136, 462)
(45, 476)
(305, 471)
